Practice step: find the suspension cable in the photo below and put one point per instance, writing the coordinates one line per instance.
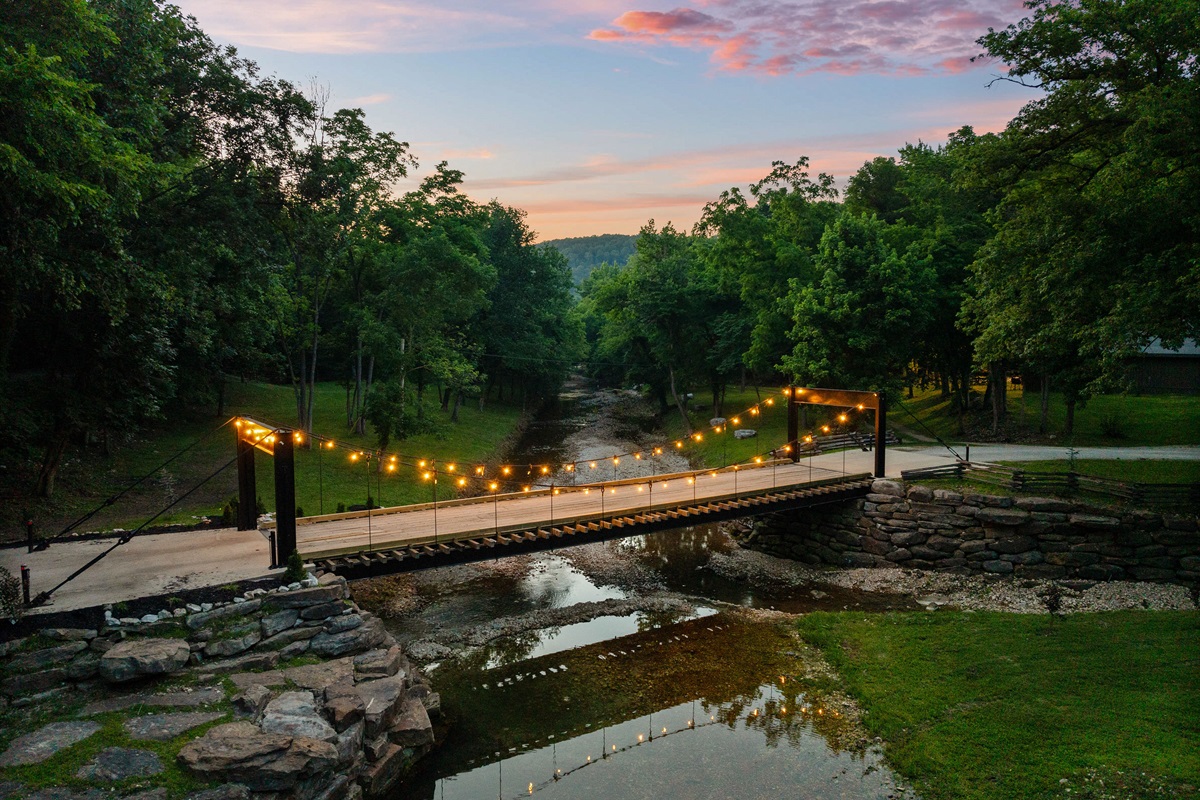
(125, 537)
(113, 499)
(932, 433)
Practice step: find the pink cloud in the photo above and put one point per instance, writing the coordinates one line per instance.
(846, 37)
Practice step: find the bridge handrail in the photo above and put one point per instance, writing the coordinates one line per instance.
(541, 490)
(585, 518)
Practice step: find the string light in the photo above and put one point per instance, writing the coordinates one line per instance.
(479, 470)
(450, 468)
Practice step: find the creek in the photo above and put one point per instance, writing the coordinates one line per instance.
(629, 669)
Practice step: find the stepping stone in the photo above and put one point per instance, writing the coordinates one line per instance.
(36, 747)
(200, 697)
(120, 763)
(164, 727)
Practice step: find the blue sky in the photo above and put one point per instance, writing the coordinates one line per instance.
(598, 115)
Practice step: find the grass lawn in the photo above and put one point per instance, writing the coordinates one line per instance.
(1129, 470)
(322, 480)
(977, 706)
(1144, 420)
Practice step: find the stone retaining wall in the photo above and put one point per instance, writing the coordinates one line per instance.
(918, 527)
(315, 697)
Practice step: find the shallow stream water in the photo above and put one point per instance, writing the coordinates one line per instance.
(628, 669)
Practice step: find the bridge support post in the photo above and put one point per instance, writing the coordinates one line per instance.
(793, 424)
(880, 436)
(285, 496)
(247, 510)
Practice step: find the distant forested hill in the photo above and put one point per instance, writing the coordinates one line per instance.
(585, 253)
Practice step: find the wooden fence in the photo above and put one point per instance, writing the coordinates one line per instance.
(1184, 496)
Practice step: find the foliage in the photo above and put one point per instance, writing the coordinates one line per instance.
(12, 604)
(1095, 251)
(857, 324)
(586, 253)
(295, 568)
(170, 218)
(988, 705)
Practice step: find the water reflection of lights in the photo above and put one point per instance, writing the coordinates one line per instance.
(723, 715)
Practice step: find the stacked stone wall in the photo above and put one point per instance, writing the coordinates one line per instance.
(923, 528)
(317, 699)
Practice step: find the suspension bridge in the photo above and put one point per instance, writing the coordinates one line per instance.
(492, 511)
(555, 509)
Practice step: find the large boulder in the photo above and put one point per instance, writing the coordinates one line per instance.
(365, 637)
(135, 658)
(412, 727)
(382, 700)
(263, 762)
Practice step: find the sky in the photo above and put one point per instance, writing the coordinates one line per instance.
(596, 116)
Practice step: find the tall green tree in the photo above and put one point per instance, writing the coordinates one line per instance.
(1099, 180)
(860, 323)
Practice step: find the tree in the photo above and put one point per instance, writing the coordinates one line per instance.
(755, 250)
(859, 324)
(339, 183)
(1100, 187)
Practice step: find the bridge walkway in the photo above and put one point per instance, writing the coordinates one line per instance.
(407, 538)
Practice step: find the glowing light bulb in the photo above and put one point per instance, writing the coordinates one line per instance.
(507, 470)
(592, 464)
(479, 470)
(737, 421)
(391, 467)
(524, 488)
(825, 428)
(641, 737)
(545, 470)
(462, 481)
(641, 488)
(354, 456)
(691, 480)
(770, 401)
(421, 464)
(842, 417)
(616, 461)
(758, 459)
(493, 486)
(450, 468)
(678, 445)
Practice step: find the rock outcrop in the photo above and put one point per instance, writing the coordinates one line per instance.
(350, 724)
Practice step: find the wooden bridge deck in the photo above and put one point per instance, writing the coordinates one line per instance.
(408, 538)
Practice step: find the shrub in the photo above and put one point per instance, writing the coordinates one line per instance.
(341, 508)
(1110, 426)
(11, 602)
(295, 568)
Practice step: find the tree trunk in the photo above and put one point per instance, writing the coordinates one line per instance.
(52, 460)
(445, 397)
(458, 398)
(356, 409)
(1045, 409)
(1070, 417)
(997, 388)
(361, 425)
(687, 423)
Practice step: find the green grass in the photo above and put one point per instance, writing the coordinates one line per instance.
(1128, 470)
(719, 449)
(323, 479)
(985, 706)
(1140, 420)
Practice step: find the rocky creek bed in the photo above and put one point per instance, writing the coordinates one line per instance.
(293, 692)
